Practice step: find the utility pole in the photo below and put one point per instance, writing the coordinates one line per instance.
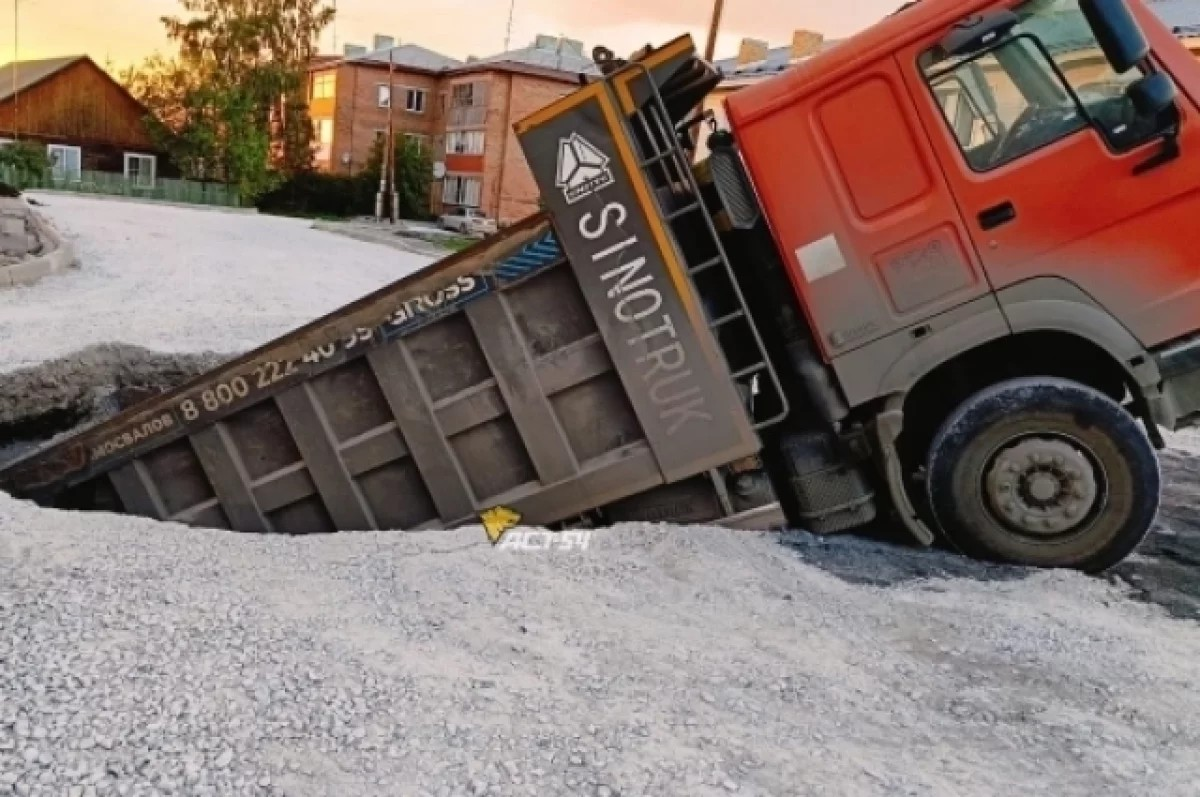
(512, 7)
(392, 192)
(385, 170)
(710, 50)
(16, 61)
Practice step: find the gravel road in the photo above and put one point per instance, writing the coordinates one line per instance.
(181, 280)
(143, 658)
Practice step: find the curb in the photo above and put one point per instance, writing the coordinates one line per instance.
(140, 201)
(422, 248)
(59, 257)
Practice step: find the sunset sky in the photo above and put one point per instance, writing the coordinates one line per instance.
(126, 30)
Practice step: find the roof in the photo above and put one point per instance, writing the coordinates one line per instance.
(559, 59)
(548, 56)
(778, 59)
(411, 56)
(30, 73)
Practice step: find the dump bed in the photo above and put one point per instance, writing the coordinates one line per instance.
(552, 369)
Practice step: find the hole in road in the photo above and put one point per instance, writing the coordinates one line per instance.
(54, 399)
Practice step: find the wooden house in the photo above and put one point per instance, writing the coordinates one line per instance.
(86, 119)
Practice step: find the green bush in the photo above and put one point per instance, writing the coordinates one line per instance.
(319, 194)
(27, 159)
(331, 195)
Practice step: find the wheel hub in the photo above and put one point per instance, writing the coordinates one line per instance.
(1042, 486)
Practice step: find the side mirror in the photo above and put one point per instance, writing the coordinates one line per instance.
(978, 31)
(1117, 32)
(1152, 95)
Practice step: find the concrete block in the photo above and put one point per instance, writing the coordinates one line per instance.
(30, 271)
(14, 244)
(12, 226)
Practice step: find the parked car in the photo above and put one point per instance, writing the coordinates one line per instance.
(469, 221)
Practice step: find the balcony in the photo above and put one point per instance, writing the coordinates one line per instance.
(468, 105)
(466, 116)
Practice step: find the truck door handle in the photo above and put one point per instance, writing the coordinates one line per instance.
(993, 217)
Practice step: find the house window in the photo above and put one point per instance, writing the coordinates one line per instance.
(462, 95)
(416, 141)
(67, 162)
(140, 169)
(414, 100)
(460, 190)
(383, 95)
(464, 142)
(324, 139)
(324, 86)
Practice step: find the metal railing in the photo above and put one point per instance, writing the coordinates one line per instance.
(186, 192)
(466, 116)
(678, 197)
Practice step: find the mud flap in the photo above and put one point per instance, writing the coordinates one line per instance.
(888, 425)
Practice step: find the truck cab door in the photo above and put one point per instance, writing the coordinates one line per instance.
(1045, 167)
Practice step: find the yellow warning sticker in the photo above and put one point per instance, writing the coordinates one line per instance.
(498, 520)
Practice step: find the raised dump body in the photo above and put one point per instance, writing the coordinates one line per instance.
(484, 380)
(505, 375)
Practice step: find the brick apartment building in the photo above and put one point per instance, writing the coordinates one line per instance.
(463, 111)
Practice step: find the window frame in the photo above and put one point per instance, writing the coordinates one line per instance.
(54, 169)
(419, 138)
(142, 156)
(324, 149)
(382, 89)
(465, 136)
(460, 198)
(322, 78)
(415, 92)
(1090, 121)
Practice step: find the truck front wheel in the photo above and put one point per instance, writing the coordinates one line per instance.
(1043, 472)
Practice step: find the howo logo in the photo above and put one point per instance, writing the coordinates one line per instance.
(582, 168)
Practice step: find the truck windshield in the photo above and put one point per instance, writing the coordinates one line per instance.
(1049, 80)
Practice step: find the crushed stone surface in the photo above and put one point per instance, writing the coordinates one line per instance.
(183, 280)
(147, 658)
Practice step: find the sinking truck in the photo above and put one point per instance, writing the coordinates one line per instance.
(940, 275)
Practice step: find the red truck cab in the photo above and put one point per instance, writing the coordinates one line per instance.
(972, 195)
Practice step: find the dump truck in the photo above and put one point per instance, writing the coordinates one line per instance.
(937, 276)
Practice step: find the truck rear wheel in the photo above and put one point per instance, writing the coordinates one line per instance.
(1043, 472)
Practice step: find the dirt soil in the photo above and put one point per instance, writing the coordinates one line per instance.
(1166, 570)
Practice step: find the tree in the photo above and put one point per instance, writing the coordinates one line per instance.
(230, 105)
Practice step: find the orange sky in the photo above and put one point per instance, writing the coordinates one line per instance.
(126, 30)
